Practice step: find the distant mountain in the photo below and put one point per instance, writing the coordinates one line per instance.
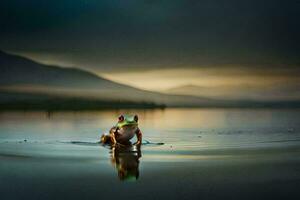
(25, 83)
(217, 92)
(241, 92)
(187, 89)
(20, 75)
(16, 70)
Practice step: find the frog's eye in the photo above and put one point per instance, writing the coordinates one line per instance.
(121, 118)
(136, 118)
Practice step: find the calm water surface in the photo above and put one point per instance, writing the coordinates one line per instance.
(207, 153)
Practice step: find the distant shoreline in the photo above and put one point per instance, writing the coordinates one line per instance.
(75, 105)
(31, 102)
(19, 101)
(87, 105)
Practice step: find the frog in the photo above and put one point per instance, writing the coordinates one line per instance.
(124, 130)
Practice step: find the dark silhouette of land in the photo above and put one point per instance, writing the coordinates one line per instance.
(25, 84)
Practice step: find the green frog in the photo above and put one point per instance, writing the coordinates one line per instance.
(125, 129)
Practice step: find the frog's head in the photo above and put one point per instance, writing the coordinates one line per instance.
(127, 120)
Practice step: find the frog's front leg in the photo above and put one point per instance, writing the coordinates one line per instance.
(112, 132)
(139, 136)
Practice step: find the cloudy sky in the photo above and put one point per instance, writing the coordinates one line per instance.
(160, 44)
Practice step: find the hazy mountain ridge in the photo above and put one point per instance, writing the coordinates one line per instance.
(23, 80)
(242, 92)
(18, 70)
(21, 75)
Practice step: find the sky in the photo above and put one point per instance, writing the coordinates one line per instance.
(161, 44)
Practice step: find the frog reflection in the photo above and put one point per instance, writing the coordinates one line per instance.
(126, 161)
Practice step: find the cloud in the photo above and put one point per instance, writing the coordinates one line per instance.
(114, 35)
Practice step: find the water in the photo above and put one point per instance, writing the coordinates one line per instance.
(207, 153)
